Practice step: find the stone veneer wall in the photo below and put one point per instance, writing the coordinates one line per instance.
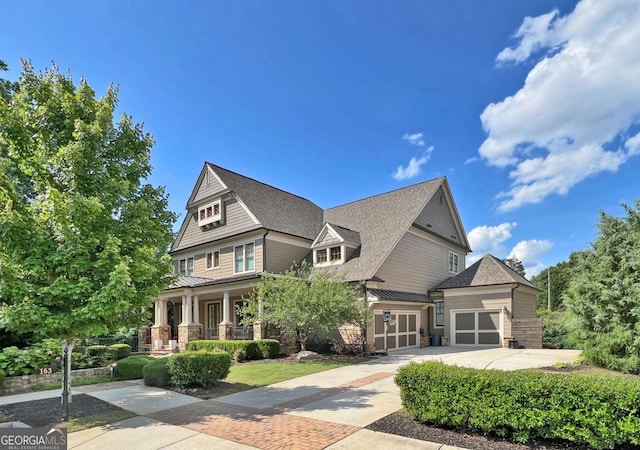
(25, 383)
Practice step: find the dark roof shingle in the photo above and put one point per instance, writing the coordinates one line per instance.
(487, 271)
(274, 208)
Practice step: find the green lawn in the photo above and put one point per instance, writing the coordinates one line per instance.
(263, 374)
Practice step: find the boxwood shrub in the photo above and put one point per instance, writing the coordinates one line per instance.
(260, 349)
(131, 368)
(198, 368)
(156, 373)
(96, 350)
(120, 351)
(601, 411)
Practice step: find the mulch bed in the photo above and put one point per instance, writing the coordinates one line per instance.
(403, 425)
(48, 411)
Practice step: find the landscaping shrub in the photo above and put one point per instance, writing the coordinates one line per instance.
(97, 350)
(1, 379)
(600, 411)
(198, 368)
(264, 348)
(119, 351)
(46, 353)
(269, 348)
(156, 373)
(131, 368)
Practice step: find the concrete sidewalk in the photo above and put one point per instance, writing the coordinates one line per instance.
(324, 410)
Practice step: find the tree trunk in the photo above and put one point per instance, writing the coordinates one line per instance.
(303, 344)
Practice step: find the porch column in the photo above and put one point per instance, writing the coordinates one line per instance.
(196, 310)
(188, 330)
(225, 329)
(259, 325)
(160, 330)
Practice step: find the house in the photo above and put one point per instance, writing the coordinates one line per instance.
(405, 249)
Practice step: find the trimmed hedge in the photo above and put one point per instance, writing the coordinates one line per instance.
(601, 411)
(198, 368)
(156, 373)
(96, 350)
(131, 368)
(260, 349)
(120, 351)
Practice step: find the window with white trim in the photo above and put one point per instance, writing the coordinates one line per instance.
(321, 256)
(438, 314)
(335, 253)
(212, 260)
(210, 213)
(244, 258)
(185, 267)
(453, 262)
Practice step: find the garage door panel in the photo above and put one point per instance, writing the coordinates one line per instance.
(489, 320)
(465, 338)
(413, 319)
(413, 340)
(402, 323)
(488, 338)
(465, 321)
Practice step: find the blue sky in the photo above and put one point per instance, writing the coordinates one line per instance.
(530, 108)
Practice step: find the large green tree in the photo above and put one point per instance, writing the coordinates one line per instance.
(515, 264)
(83, 236)
(307, 301)
(604, 293)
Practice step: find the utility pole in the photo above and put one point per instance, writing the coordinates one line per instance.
(549, 288)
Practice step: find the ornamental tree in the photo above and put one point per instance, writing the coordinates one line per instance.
(306, 300)
(83, 237)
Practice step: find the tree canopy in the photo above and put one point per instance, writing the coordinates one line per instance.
(83, 238)
(306, 301)
(515, 264)
(604, 293)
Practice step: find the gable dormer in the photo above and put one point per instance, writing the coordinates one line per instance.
(334, 245)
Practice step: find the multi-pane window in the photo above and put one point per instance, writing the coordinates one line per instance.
(321, 255)
(209, 213)
(453, 262)
(212, 260)
(336, 253)
(439, 314)
(185, 267)
(244, 256)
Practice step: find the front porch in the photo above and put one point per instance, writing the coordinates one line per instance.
(203, 310)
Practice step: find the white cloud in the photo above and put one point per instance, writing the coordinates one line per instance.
(578, 101)
(414, 139)
(529, 253)
(488, 239)
(413, 168)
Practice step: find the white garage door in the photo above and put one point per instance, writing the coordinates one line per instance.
(402, 331)
(478, 327)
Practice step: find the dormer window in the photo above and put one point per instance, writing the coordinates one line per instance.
(329, 256)
(210, 213)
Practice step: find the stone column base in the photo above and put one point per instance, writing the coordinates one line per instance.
(288, 343)
(259, 329)
(160, 333)
(425, 341)
(225, 331)
(187, 333)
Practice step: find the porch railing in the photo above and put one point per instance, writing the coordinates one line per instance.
(243, 333)
(211, 333)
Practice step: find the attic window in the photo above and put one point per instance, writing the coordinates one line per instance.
(209, 213)
(329, 256)
(336, 253)
(321, 256)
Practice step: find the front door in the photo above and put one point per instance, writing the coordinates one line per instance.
(214, 317)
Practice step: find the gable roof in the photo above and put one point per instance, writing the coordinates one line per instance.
(344, 234)
(381, 221)
(487, 271)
